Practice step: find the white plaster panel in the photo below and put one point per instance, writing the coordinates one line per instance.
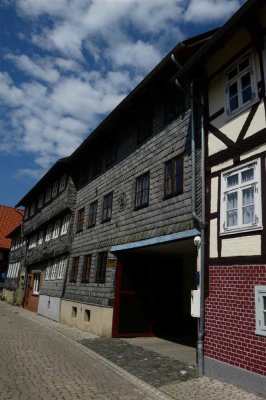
(49, 307)
(216, 95)
(214, 144)
(241, 246)
(256, 150)
(214, 194)
(234, 125)
(258, 121)
(223, 165)
(213, 238)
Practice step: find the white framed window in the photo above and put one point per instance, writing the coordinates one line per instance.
(241, 85)
(53, 270)
(56, 229)
(55, 189)
(241, 199)
(48, 194)
(33, 241)
(65, 224)
(40, 238)
(36, 283)
(62, 183)
(48, 273)
(40, 201)
(49, 233)
(260, 310)
(61, 268)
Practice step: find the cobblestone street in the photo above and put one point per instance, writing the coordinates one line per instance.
(42, 359)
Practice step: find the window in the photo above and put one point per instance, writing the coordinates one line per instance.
(111, 153)
(74, 270)
(65, 224)
(48, 195)
(142, 191)
(32, 209)
(61, 268)
(240, 85)
(86, 268)
(145, 127)
(56, 229)
(13, 270)
(33, 241)
(260, 310)
(40, 237)
(55, 189)
(48, 273)
(92, 214)
(62, 183)
(36, 283)
(107, 207)
(40, 201)
(53, 270)
(101, 267)
(241, 198)
(49, 233)
(80, 219)
(26, 213)
(174, 105)
(173, 177)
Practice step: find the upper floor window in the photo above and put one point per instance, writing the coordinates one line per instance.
(49, 233)
(240, 85)
(61, 268)
(26, 213)
(101, 267)
(40, 201)
(92, 214)
(241, 198)
(173, 177)
(65, 224)
(111, 152)
(48, 194)
(48, 272)
(36, 283)
(33, 241)
(80, 219)
(142, 191)
(55, 189)
(56, 229)
(53, 271)
(40, 237)
(107, 207)
(32, 209)
(145, 125)
(74, 269)
(62, 183)
(86, 269)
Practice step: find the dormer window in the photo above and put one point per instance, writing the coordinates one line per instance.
(32, 209)
(62, 183)
(41, 199)
(240, 85)
(26, 213)
(48, 194)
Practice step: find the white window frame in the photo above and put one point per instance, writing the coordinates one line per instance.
(36, 283)
(54, 270)
(56, 229)
(48, 234)
(40, 238)
(61, 268)
(62, 183)
(260, 310)
(33, 241)
(47, 273)
(48, 194)
(55, 189)
(256, 182)
(254, 86)
(65, 224)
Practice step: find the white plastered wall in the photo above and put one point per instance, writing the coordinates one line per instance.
(241, 246)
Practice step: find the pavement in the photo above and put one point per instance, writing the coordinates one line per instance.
(42, 359)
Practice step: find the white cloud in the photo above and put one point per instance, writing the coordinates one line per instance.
(202, 11)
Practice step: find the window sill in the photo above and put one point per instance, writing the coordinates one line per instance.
(241, 230)
(245, 107)
(169, 196)
(91, 226)
(260, 333)
(140, 207)
(106, 220)
(79, 230)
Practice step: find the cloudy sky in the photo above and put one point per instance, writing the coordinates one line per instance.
(65, 64)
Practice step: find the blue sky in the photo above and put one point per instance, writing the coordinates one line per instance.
(65, 64)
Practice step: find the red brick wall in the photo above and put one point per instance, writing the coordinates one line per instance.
(230, 317)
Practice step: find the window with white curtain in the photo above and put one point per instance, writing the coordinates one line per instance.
(56, 229)
(241, 198)
(48, 272)
(61, 267)
(65, 224)
(49, 233)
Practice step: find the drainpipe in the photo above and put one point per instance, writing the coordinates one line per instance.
(201, 221)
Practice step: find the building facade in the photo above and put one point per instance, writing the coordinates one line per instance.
(47, 232)
(235, 298)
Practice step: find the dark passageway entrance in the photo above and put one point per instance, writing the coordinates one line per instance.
(154, 296)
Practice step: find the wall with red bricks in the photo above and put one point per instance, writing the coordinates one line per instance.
(230, 317)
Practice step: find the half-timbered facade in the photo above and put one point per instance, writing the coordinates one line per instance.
(234, 104)
(47, 230)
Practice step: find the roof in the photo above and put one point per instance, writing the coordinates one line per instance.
(10, 219)
(220, 37)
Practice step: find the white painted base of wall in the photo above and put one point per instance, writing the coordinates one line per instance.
(87, 317)
(49, 307)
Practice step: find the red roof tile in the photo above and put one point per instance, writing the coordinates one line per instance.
(10, 218)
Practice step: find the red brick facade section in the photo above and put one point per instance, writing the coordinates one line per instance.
(230, 317)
